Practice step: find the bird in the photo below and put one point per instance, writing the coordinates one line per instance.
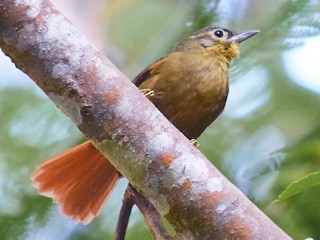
(189, 86)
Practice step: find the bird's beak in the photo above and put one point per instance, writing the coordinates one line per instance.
(241, 36)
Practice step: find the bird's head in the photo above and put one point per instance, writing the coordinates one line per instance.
(216, 40)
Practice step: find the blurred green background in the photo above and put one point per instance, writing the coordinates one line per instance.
(267, 137)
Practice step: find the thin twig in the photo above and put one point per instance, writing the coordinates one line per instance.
(127, 204)
(151, 215)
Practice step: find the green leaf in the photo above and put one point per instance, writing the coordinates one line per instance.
(300, 185)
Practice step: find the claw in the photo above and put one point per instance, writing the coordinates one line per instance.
(195, 143)
(149, 93)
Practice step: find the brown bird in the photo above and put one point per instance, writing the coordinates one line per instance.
(190, 87)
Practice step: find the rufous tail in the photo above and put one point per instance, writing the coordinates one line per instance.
(80, 180)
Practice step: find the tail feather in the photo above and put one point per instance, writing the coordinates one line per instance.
(79, 180)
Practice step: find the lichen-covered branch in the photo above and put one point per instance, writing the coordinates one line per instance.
(157, 159)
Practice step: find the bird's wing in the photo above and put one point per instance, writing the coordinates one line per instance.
(148, 72)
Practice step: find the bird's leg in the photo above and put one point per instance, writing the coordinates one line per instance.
(149, 93)
(195, 143)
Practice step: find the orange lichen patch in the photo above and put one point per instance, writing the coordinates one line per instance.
(207, 197)
(235, 228)
(22, 8)
(186, 184)
(111, 97)
(55, 11)
(166, 159)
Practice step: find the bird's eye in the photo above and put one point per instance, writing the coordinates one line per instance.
(218, 33)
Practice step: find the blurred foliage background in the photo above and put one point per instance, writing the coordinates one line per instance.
(267, 137)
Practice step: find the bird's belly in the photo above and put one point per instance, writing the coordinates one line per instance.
(191, 114)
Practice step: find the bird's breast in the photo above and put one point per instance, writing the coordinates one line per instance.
(192, 93)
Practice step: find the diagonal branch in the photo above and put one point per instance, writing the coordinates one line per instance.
(156, 158)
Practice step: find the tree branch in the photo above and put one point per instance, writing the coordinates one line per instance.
(157, 159)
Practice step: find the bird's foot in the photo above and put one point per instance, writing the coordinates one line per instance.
(149, 93)
(195, 143)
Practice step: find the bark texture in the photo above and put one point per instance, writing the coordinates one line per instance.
(146, 148)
